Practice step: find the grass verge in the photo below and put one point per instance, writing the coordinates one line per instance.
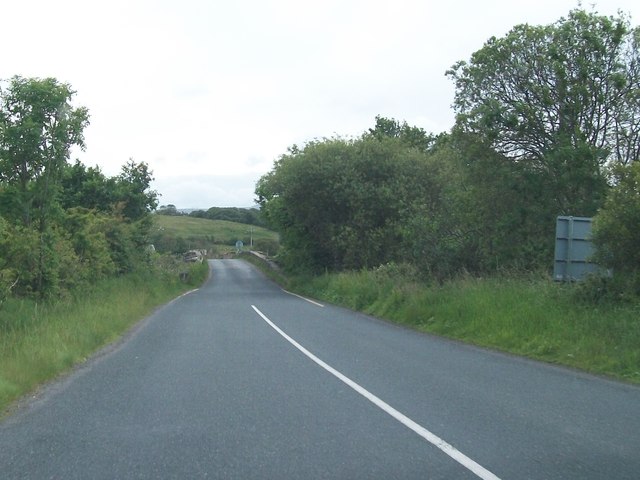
(528, 316)
(40, 341)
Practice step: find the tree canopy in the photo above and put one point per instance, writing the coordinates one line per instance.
(541, 88)
(563, 99)
(342, 203)
(38, 128)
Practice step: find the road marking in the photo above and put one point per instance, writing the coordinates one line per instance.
(303, 298)
(445, 447)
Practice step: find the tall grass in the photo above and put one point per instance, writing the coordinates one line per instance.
(530, 316)
(39, 341)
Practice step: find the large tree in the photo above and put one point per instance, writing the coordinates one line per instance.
(343, 204)
(38, 129)
(562, 99)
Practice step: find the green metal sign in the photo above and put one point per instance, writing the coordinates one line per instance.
(573, 249)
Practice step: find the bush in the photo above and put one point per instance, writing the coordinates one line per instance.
(622, 288)
(616, 229)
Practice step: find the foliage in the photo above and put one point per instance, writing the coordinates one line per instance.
(38, 128)
(87, 187)
(342, 204)
(62, 226)
(87, 232)
(540, 112)
(540, 88)
(8, 275)
(132, 191)
(616, 231)
(250, 216)
(460, 206)
(610, 291)
(411, 136)
(268, 246)
(168, 210)
(489, 213)
(562, 99)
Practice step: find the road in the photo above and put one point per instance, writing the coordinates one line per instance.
(241, 380)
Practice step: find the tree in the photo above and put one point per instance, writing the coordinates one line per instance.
(617, 225)
(169, 210)
(128, 233)
(38, 128)
(87, 187)
(415, 137)
(562, 99)
(343, 204)
(133, 191)
(486, 213)
(86, 231)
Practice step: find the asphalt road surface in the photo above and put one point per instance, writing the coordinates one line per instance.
(240, 380)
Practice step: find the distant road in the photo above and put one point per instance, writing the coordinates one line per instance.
(240, 380)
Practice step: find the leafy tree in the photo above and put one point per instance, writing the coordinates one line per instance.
(38, 128)
(133, 191)
(86, 231)
(62, 226)
(562, 99)
(414, 137)
(302, 197)
(342, 204)
(169, 210)
(87, 187)
(487, 213)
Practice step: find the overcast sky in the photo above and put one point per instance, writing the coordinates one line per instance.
(210, 93)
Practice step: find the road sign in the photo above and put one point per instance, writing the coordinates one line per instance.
(573, 249)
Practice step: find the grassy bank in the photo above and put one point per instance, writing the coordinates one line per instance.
(532, 317)
(39, 341)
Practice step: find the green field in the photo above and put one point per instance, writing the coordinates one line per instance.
(215, 235)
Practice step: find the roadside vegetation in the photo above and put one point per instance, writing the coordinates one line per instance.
(76, 265)
(524, 314)
(453, 233)
(41, 340)
(529, 316)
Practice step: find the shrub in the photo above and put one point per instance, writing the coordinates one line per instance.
(616, 230)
